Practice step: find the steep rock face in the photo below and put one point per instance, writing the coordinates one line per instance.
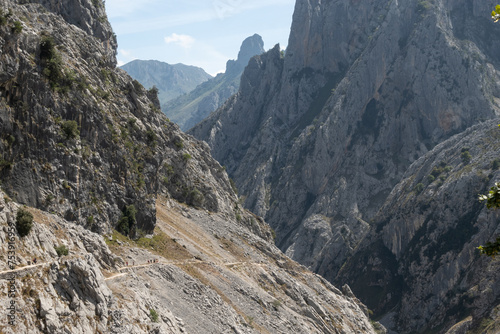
(78, 136)
(210, 275)
(420, 258)
(171, 80)
(190, 109)
(316, 141)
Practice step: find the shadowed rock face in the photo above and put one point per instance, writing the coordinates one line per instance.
(420, 258)
(317, 140)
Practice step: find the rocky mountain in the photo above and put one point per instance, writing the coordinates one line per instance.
(419, 262)
(189, 109)
(318, 139)
(85, 151)
(171, 80)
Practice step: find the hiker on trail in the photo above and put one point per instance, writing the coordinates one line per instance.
(34, 260)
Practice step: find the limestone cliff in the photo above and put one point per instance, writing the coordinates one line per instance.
(317, 140)
(79, 137)
(419, 260)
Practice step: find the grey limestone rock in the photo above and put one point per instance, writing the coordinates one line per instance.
(317, 140)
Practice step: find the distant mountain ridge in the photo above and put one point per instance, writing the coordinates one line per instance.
(171, 80)
(188, 110)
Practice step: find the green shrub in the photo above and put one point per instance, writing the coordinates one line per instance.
(61, 250)
(24, 222)
(179, 144)
(196, 198)
(3, 18)
(17, 27)
(466, 157)
(151, 138)
(233, 185)
(137, 86)
(127, 219)
(70, 129)
(153, 315)
(51, 61)
(419, 187)
(186, 156)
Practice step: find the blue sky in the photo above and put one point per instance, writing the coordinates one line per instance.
(204, 33)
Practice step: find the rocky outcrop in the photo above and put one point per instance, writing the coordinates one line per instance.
(78, 136)
(171, 80)
(210, 274)
(190, 109)
(420, 258)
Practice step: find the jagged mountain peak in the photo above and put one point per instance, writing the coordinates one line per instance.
(191, 108)
(251, 46)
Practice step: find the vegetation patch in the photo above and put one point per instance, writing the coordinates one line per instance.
(127, 220)
(163, 245)
(61, 250)
(24, 222)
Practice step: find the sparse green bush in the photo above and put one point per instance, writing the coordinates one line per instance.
(151, 138)
(154, 90)
(5, 164)
(51, 61)
(186, 156)
(127, 219)
(153, 315)
(137, 86)
(24, 222)
(10, 140)
(418, 188)
(17, 28)
(61, 250)
(466, 157)
(70, 129)
(179, 144)
(196, 198)
(3, 18)
(233, 185)
(273, 233)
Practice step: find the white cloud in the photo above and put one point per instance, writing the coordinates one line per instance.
(185, 41)
(125, 53)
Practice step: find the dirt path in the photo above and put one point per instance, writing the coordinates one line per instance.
(25, 267)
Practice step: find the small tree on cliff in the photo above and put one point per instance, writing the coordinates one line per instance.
(495, 14)
(492, 202)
